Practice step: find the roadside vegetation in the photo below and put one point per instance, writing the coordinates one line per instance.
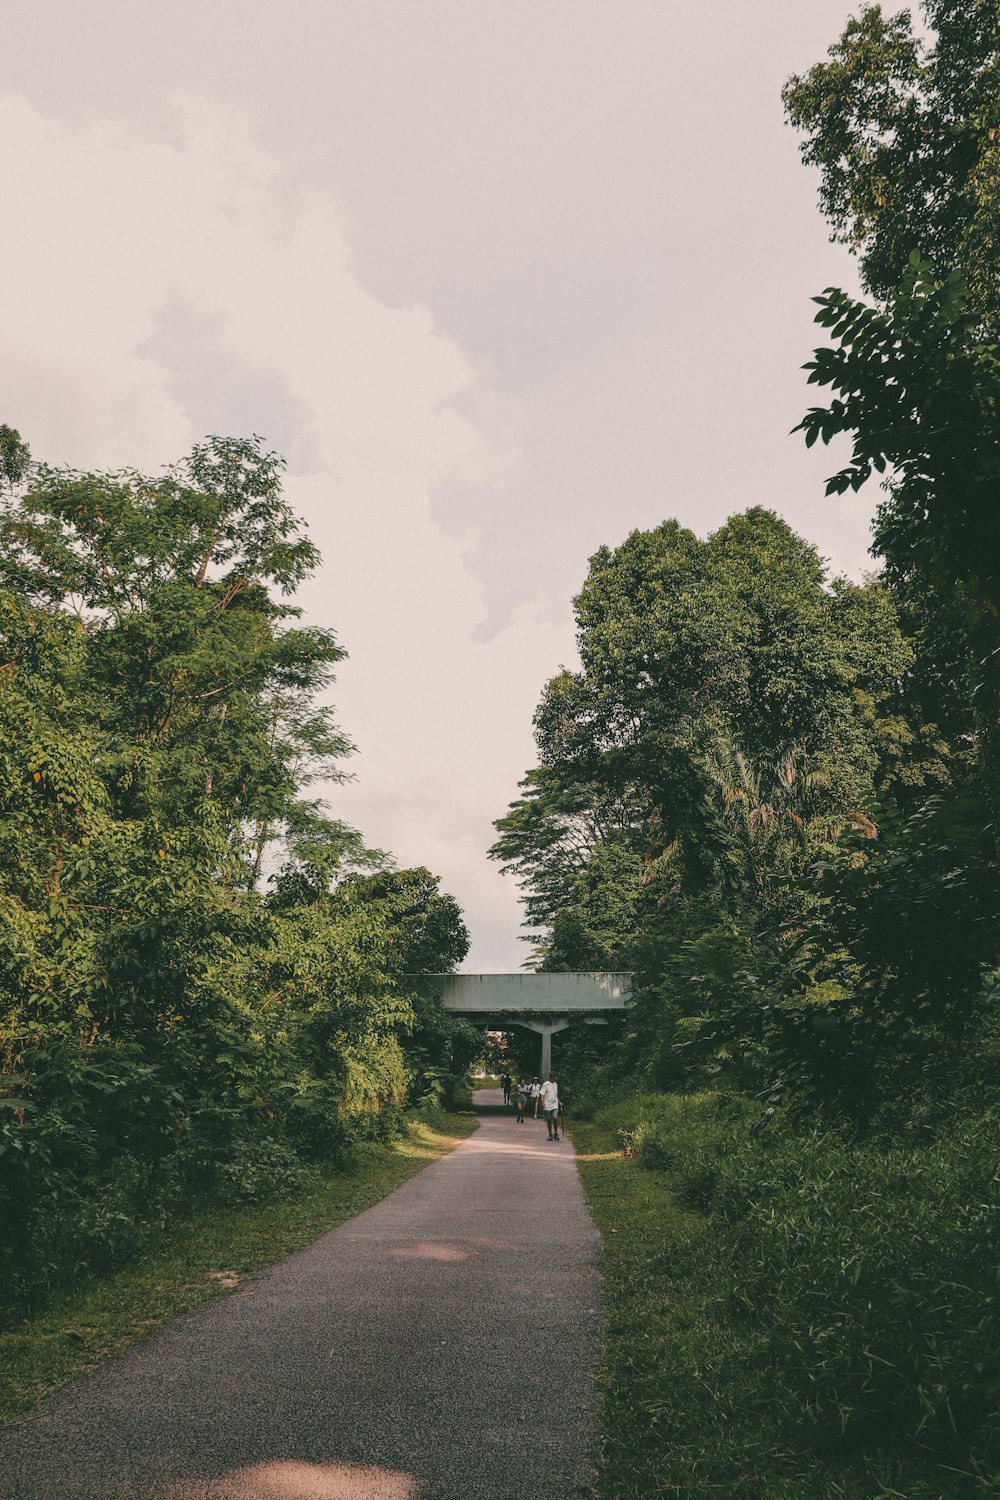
(772, 795)
(210, 988)
(810, 1315)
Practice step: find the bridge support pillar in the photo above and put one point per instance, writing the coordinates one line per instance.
(546, 1030)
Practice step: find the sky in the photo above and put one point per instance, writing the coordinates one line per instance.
(503, 281)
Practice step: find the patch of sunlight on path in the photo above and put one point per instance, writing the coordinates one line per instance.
(292, 1480)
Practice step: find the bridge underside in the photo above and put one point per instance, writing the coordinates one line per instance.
(542, 1003)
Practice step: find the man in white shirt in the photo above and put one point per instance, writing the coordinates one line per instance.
(550, 1106)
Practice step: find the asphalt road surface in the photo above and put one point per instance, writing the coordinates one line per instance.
(440, 1346)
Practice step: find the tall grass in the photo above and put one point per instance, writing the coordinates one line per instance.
(833, 1304)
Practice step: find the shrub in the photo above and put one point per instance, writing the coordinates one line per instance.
(261, 1169)
(684, 1135)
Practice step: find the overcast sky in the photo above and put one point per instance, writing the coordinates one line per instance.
(503, 280)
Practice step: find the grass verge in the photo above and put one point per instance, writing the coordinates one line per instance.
(640, 1223)
(204, 1256)
(679, 1388)
(802, 1316)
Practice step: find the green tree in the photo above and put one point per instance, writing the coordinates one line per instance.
(735, 713)
(169, 1018)
(15, 457)
(188, 647)
(906, 135)
(918, 390)
(577, 853)
(906, 138)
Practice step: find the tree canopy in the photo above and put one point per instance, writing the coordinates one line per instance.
(772, 794)
(906, 136)
(201, 966)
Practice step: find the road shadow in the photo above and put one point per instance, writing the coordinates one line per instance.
(490, 1102)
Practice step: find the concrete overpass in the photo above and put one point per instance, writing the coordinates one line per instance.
(543, 1003)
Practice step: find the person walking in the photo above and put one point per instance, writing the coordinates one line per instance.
(505, 1085)
(550, 1106)
(536, 1094)
(521, 1099)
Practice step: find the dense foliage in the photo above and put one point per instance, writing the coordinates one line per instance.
(794, 1314)
(736, 746)
(775, 797)
(905, 135)
(770, 794)
(205, 980)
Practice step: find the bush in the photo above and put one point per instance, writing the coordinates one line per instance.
(70, 1228)
(72, 1205)
(261, 1169)
(685, 1135)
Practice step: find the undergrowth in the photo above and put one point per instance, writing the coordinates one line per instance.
(796, 1313)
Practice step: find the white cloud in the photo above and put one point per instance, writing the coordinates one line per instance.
(160, 286)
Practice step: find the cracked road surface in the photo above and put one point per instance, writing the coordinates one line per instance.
(433, 1348)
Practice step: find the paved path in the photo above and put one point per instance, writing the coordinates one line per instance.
(429, 1349)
